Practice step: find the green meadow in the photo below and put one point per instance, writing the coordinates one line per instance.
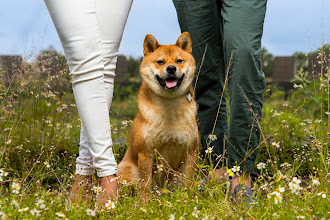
(39, 143)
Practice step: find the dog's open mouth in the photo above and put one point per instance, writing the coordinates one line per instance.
(171, 83)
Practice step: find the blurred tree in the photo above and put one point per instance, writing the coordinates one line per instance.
(133, 66)
(311, 62)
(267, 61)
(301, 60)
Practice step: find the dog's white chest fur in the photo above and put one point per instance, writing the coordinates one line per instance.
(170, 127)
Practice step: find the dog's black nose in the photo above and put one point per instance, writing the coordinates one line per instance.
(171, 69)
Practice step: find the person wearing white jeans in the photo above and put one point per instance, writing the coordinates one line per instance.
(91, 32)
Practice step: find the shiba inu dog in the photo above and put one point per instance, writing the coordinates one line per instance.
(165, 126)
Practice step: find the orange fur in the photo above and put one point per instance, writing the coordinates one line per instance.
(166, 121)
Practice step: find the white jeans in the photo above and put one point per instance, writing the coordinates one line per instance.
(90, 32)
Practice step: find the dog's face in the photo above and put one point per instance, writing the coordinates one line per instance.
(168, 70)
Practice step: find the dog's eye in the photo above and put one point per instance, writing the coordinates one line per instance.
(179, 61)
(160, 62)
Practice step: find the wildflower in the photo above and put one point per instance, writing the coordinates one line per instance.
(2, 174)
(14, 203)
(110, 205)
(230, 172)
(64, 106)
(295, 180)
(59, 109)
(90, 212)
(212, 137)
(235, 169)
(277, 114)
(195, 212)
(280, 189)
(50, 94)
(97, 189)
(275, 215)
(261, 165)
(68, 125)
(40, 204)
(285, 105)
(300, 217)
(49, 104)
(302, 123)
(143, 210)
(327, 113)
(35, 212)
(160, 167)
(276, 144)
(8, 141)
(308, 121)
(297, 86)
(3, 215)
(295, 185)
(15, 187)
(315, 181)
(169, 204)
(322, 194)
(281, 176)
(196, 199)
(23, 209)
(60, 214)
(172, 217)
(263, 187)
(206, 218)
(47, 164)
(278, 197)
(285, 164)
(209, 150)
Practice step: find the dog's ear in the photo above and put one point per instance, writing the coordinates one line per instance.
(184, 42)
(150, 44)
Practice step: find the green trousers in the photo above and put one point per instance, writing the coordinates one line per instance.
(228, 33)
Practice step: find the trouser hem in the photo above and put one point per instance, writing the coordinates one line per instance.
(106, 173)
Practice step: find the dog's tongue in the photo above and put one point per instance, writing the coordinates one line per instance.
(170, 83)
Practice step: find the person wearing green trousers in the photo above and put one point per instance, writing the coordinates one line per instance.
(226, 40)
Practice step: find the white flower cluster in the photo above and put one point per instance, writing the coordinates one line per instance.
(212, 137)
(295, 185)
(2, 174)
(261, 166)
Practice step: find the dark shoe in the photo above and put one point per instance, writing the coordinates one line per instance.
(243, 195)
(254, 176)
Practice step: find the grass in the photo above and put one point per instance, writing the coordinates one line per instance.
(39, 144)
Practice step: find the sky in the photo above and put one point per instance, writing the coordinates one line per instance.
(290, 26)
